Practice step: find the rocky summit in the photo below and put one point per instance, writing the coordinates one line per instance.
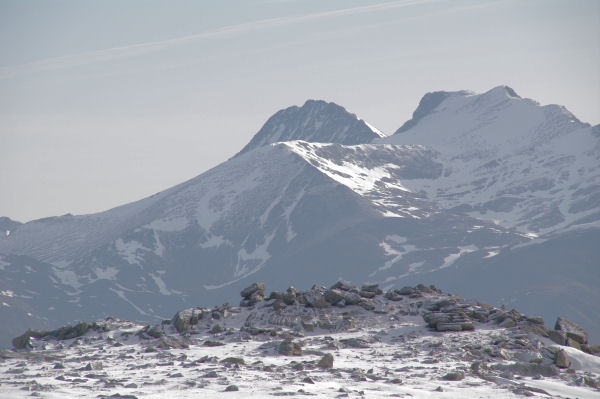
(341, 341)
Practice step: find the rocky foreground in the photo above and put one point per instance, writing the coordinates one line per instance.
(344, 341)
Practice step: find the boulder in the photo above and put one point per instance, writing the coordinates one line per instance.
(406, 291)
(340, 285)
(315, 298)
(289, 348)
(572, 330)
(326, 361)
(562, 359)
(334, 296)
(185, 319)
(289, 297)
(393, 295)
(559, 337)
(454, 376)
(374, 288)
(254, 288)
(352, 298)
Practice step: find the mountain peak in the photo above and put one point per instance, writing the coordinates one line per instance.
(315, 121)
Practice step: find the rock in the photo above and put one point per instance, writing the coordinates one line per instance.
(254, 288)
(275, 295)
(315, 298)
(562, 359)
(232, 388)
(527, 369)
(559, 337)
(233, 360)
(308, 380)
(374, 288)
(508, 322)
(424, 289)
(289, 348)
(454, 376)
(213, 343)
(185, 319)
(279, 305)
(63, 333)
(367, 294)
(352, 299)
(572, 330)
(591, 348)
(406, 291)
(535, 319)
(334, 296)
(290, 296)
(340, 285)
(326, 361)
(528, 356)
(366, 304)
(573, 343)
(392, 295)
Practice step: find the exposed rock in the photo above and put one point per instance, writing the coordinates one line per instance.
(334, 296)
(233, 360)
(562, 359)
(355, 343)
(289, 297)
(275, 295)
(535, 319)
(573, 343)
(315, 298)
(393, 295)
(326, 361)
(454, 376)
(591, 348)
(572, 330)
(352, 298)
(527, 369)
(374, 288)
(406, 291)
(254, 288)
(289, 348)
(185, 319)
(559, 337)
(340, 285)
(63, 333)
(232, 388)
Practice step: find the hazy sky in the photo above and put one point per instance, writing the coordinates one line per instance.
(106, 102)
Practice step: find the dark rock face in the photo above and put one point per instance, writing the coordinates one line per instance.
(572, 330)
(455, 376)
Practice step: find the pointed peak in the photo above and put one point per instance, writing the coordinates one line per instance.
(315, 121)
(502, 90)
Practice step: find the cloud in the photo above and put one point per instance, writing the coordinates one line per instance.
(131, 51)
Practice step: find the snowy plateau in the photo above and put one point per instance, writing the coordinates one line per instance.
(489, 196)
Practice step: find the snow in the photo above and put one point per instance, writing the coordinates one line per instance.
(450, 259)
(7, 293)
(129, 251)
(108, 273)
(68, 277)
(162, 287)
(169, 225)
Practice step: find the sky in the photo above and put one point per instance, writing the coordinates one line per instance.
(106, 102)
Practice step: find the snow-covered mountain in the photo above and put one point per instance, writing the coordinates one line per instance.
(316, 121)
(505, 158)
(430, 203)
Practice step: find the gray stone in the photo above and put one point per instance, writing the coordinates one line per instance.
(374, 288)
(406, 291)
(289, 297)
(334, 296)
(559, 337)
(573, 330)
(254, 288)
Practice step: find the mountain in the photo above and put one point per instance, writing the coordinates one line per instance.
(316, 121)
(343, 341)
(531, 167)
(490, 195)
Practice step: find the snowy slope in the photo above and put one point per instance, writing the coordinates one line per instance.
(316, 121)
